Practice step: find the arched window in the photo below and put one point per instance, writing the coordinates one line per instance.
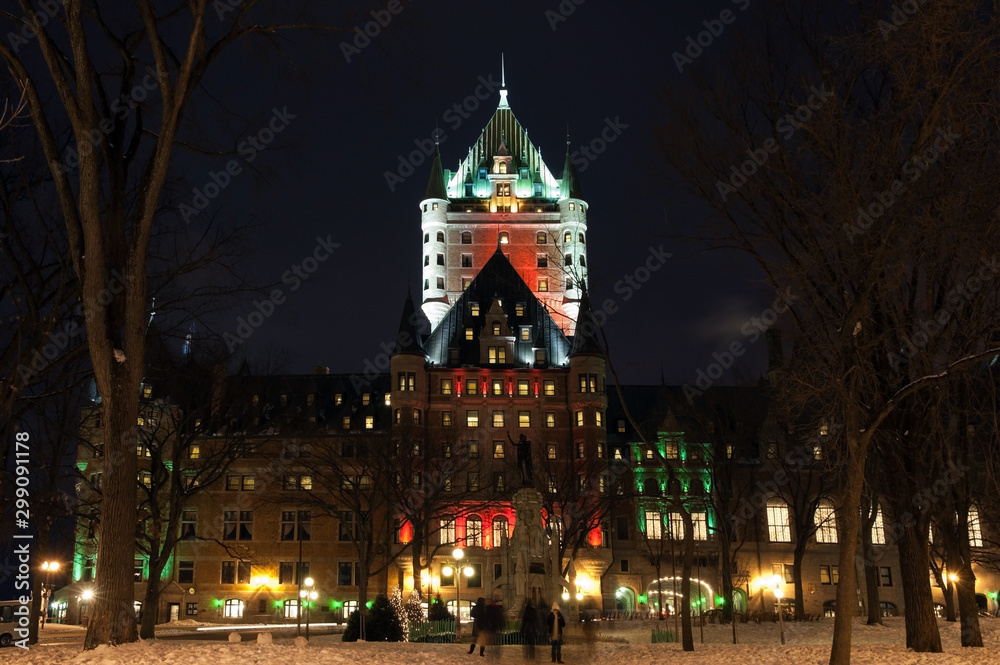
(581, 239)
(826, 522)
(504, 237)
(291, 609)
(975, 528)
(466, 237)
(473, 531)
(233, 609)
(440, 236)
(778, 528)
(503, 167)
(500, 530)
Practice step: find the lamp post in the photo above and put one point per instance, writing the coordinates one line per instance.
(776, 586)
(49, 567)
(458, 571)
(306, 595)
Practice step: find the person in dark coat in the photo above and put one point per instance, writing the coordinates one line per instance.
(556, 624)
(492, 624)
(529, 628)
(477, 614)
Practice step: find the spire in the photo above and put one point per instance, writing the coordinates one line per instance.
(585, 339)
(435, 185)
(503, 85)
(570, 183)
(410, 324)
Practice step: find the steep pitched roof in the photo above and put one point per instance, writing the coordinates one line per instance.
(435, 183)
(570, 181)
(497, 281)
(585, 340)
(411, 323)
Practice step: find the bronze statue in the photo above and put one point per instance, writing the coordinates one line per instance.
(523, 458)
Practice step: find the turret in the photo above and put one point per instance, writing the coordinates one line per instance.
(572, 237)
(434, 210)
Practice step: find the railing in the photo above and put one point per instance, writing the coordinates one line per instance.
(662, 636)
(433, 631)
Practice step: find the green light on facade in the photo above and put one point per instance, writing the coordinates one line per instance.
(720, 601)
(277, 604)
(369, 604)
(642, 598)
(216, 602)
(169, 464)
(335, 605)
(82, 466)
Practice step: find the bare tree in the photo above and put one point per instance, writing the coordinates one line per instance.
(850, 156)
(78, 70)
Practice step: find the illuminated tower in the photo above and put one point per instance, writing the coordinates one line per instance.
(503, 192)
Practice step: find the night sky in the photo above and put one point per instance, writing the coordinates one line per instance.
(324, 174)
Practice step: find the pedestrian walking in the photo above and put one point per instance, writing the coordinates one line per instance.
(556, 624)
(478, 613)
(529, 629)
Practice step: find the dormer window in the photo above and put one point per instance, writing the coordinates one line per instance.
(519, 309)
(538, 190)
(502, 167)
(523, 172)
(482, 173)
(474, 309)
(468, 191)
(496, 328)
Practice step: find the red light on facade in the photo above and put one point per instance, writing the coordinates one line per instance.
(485, 381)
(458, 386)
(405, 533)
(536, 387)
(510, 388)
(594, 537)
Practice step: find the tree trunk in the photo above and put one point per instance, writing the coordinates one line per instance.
(151, 600)
(36, 609)
(800, 601)
(112, 618)
(687, 634)
(726, 573)
(848, 517)
(968, 609)
(871, 588)
(914, 562)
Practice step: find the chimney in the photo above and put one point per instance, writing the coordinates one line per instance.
(321, 369)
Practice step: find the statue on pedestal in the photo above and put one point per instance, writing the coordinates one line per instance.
(523, 446)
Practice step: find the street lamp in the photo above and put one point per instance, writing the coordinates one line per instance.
(776, 586)
(307, 595)
(49, 567)
(85, 597)
(458, 571)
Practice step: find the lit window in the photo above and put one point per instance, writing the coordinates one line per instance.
(346, 422)
(772, 450)
(519, 309)
(369, 422)
(468, 334)
(366, 398)
(194, 452)
(672, 451)
(446, 419)
(598, 418)
(543, 285)
(975, 528)
(654, 525)
(878, 528)
(471, 386)
(473, 531)
(446, 386)
(473, 449)
(447, 531)
(826, 522)
(434, 206)
(540, 238)
(567, 237)
(525, 334)
(472, 418)
(523, 387)
(474, 309)
(524, 419)
(498, 418)
(472, 481)
(501, 530)
(621, 426)
(572, 206)
(778, 528)
(549, 386)
(550, 419)
(579, 418)
(498, 450)
(700, 524)
(416, 416)
(497, 386)
(233, 609)
(338, 399)
(550, 450)
(581, 451)
(504, 237)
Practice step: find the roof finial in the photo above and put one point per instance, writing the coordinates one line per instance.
(503, 84)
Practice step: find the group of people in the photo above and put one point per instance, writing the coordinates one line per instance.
(488, 620)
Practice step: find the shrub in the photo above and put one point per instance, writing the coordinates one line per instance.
(381, 623)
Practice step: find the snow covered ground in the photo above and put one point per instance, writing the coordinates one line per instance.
(623, 643)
